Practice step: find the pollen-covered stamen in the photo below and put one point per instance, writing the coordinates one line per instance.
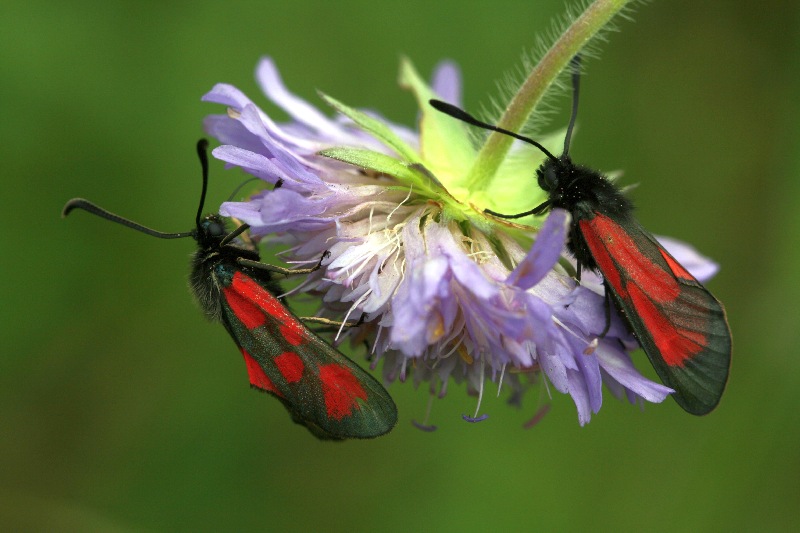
(591, 347)
(436, 328)
(464, 354)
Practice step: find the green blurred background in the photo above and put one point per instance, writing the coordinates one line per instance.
(123, 410)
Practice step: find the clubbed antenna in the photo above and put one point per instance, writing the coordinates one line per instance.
(460, 114)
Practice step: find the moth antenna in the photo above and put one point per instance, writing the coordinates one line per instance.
(575, 64)
(202, 154)
(235, 233)
(86, 205)
(460, 114)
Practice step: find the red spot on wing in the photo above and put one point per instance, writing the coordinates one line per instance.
(294, 332)
(676, 267)
(245, 310)
(258, 297)
(290, 366)
(675, 345)
(257, 376)
(341, 390)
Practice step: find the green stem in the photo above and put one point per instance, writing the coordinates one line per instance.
(581, 31)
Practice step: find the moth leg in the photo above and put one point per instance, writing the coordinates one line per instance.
(607, 306)
(281, 270)
(336, 323)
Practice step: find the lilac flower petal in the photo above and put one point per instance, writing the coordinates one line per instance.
(539, 325)
(619, 366)
(585, 309)
(446, 82)
(580, 395)
(474, 419)
(225, 94)
(382, 287)
(414, 306)
(233, 133)
(250, 119)
(697, 264)
(252, 163)
(544, 253)
(555, 371)
(277, 211)
(271, 83)
(232, 97)
(440, 239)
(247, 212)
(590, 371)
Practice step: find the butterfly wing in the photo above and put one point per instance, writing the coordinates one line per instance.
(321, 388)
(679, 324)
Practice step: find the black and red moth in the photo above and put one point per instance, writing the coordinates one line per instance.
(679, 324)
(321, 388)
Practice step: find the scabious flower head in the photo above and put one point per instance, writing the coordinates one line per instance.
(448, 293)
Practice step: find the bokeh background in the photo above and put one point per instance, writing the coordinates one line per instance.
(122, 410)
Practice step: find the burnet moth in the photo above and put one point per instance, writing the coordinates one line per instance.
(679, 324)
(321, 388)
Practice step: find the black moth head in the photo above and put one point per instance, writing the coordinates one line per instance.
(211, 230)
(554, 173)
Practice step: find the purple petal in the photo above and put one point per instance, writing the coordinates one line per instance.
(250, 118)
(446, 82)
(585, 310)
(271, 83)
(225, 94)
(539, 326)
(277, 211)
(590, 371)
(253, 163)
(440, 239)
(580, 395)
(544, 253)
(555, 371)
(229, 131)
(424, 289)
(474, 419)
(617, 365)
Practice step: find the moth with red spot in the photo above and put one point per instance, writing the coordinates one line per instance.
(321, 388)
(679, 324)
